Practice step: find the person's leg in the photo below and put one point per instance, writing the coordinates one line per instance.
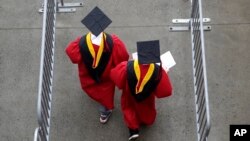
(134, 134)
(105, 114)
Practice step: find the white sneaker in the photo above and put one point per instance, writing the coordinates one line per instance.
(133, 137)
(105, 117)
(134, 134)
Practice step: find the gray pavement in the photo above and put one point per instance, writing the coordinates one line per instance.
(227, 48)
(75, 116)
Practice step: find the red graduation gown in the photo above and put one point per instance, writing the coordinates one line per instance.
(101, 92)
(144, 112)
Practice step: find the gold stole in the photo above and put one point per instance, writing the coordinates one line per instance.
(140, 86)
(96, 58)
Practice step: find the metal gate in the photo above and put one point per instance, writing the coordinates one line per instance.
(199, 72)
(196, 27)
(49, 10)
(46, 71)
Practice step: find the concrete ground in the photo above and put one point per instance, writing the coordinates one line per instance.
(75, 116)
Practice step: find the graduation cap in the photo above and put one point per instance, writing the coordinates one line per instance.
(96, 21)
(148, 52)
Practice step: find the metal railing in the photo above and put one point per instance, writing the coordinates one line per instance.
(199, 71)
(46, 71)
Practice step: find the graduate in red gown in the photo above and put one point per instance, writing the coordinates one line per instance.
(96, 53)
(141, 81)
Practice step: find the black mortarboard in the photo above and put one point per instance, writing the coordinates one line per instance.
(148, 52)
(96, 21)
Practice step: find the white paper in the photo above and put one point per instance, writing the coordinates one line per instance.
(166, 59)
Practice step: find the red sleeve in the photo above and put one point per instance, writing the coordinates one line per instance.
(164, 88)
(73, 51)
(118, 75)
(120, 52)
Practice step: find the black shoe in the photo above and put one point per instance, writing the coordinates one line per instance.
(134, 134)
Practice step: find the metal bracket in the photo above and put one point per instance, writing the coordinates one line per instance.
(65, 7)
(184, 25)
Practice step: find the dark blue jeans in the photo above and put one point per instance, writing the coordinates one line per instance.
(103, 110)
